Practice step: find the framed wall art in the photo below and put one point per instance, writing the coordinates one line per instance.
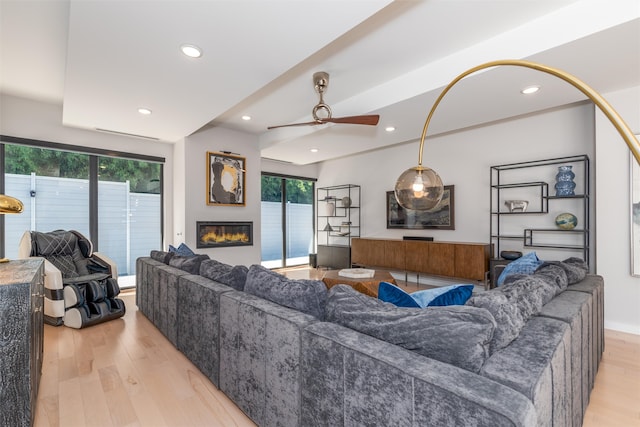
(225, 179)
(635, 216)
(441, 217)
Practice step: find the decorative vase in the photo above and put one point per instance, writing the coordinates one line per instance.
(331, 208)
(564, 181)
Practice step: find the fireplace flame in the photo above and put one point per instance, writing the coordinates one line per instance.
(214, 237)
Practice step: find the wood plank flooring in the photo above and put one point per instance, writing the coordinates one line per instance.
(126, 373)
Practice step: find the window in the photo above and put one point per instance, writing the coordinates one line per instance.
(287, 220)
(115, 201)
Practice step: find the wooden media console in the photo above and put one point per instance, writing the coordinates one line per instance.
(450, 259)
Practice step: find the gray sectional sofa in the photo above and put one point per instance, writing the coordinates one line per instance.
(524, 354)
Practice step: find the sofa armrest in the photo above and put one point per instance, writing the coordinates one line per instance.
(349, 378)
(113, 267)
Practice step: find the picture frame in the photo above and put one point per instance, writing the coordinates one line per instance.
(634, 215)
(442, 217)
(225, 179)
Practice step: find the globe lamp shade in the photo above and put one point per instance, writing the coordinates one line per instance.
(419, 188)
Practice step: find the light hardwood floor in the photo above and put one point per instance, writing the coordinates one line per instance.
(125, 373)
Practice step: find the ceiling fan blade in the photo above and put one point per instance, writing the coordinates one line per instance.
(370, 120)
(295, 124)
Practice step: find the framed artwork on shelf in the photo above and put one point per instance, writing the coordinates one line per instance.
(635, 216)
(441, 217)
(225, 179)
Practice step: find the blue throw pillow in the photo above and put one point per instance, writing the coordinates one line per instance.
(445, 295)
(441, 296)
(526, 264)
(182, 250)
(396, 296)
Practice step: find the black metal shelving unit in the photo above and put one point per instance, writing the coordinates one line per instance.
(505, 178)
(337, 228)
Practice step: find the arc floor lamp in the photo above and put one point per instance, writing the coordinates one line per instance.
(420, 188)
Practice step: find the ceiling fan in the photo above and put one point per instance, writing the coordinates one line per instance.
(321, 82)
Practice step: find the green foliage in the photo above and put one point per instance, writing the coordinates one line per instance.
(22, 160)
(271, 189)
(298, 191)
(144, 177)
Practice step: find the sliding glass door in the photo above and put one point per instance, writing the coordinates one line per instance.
(287, 220)
(114, 201)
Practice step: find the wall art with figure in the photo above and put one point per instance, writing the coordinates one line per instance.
(225, 179)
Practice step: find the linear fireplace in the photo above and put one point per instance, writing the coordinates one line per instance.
(215, 234)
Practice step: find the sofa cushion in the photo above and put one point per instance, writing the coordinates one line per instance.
(526, 264)
(307, 296)
(459, 335)
(190, 264)
(443, 295)
(162, 256)
(513, 304)
(234, 276)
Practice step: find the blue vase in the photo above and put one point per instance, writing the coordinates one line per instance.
(564, 181)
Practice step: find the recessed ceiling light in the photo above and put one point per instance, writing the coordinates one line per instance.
(246, 118)
(314, 150)
(390, 128)
(530, 89)
(144, 111)
(191, 50)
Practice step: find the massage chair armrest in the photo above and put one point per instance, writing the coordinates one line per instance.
(113, 268)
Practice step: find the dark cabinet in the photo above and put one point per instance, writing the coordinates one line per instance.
(21, 339)
(334, 256)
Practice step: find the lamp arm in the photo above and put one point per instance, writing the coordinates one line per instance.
(594, 96)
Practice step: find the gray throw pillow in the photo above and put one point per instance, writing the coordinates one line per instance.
(514, 303)
(456, 334)
(234, 276)
(307, 296)
(162, 256)
(574, 268)
(190, 264)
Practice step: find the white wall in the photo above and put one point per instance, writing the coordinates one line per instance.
(284, 168)
(30, 119)
(195, 200)
(622, 291)
(462, 159)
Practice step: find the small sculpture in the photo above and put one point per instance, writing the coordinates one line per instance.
(516, 205)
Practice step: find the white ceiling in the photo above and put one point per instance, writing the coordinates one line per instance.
(102, 60)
